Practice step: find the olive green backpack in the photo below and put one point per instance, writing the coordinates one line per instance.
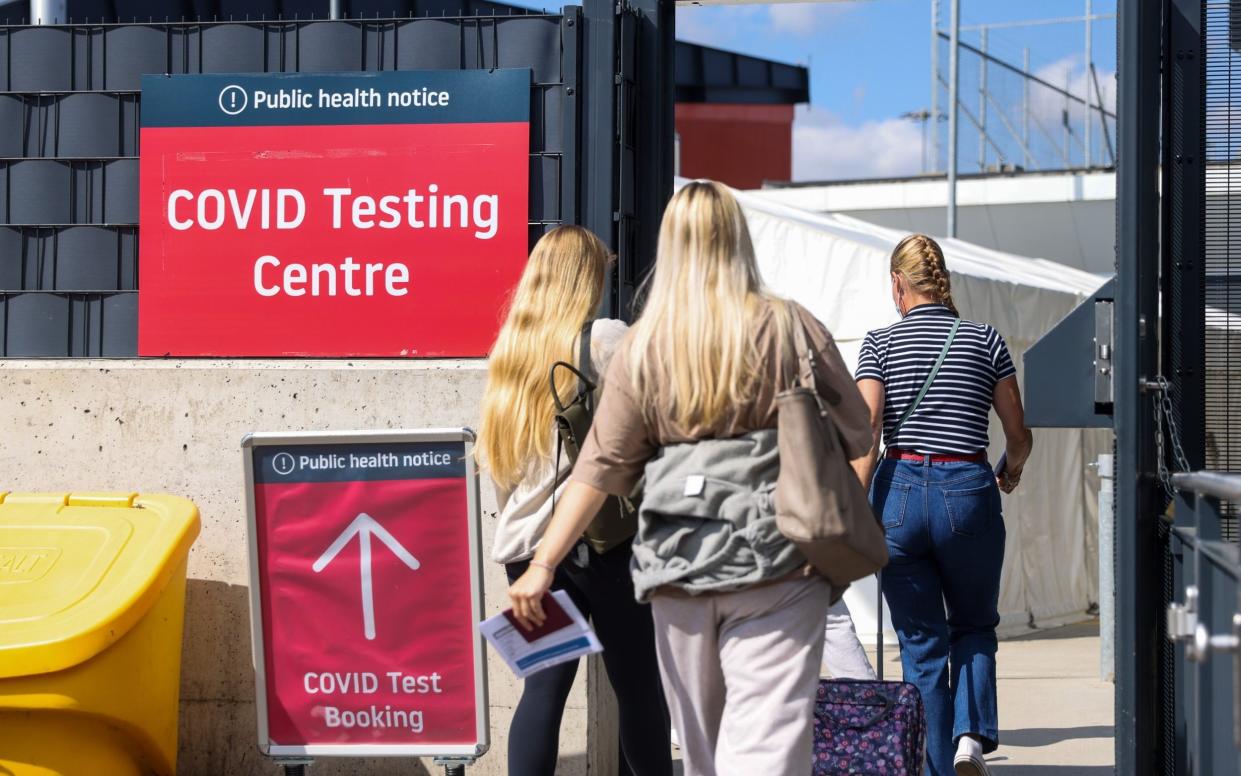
(617, 521)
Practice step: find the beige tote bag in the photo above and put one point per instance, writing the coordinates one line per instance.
(820, 504)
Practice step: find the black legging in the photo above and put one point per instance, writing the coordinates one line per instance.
(603, 590)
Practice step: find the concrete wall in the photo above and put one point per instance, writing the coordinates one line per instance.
(175, 427)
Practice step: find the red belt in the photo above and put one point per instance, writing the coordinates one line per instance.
(897, 454)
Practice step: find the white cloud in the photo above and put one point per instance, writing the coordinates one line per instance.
(825, 148)
(794, 19)
(1047, 107)
(735, 26)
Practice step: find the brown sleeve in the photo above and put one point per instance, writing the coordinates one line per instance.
(838, 389)
(619, 443)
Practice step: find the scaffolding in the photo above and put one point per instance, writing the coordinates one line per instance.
(1074, 123)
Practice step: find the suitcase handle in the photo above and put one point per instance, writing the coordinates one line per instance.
(879, 626)
(886, 704)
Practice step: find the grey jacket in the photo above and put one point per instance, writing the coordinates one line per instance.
(707, 521)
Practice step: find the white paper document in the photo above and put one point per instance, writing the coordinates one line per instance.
(564, 635)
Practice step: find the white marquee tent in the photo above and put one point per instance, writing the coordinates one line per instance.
(838, 268)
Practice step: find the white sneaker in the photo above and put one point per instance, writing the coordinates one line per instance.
(969, 761)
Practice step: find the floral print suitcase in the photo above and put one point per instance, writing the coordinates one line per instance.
(868, 728)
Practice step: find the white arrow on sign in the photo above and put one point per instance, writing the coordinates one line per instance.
(364, 526)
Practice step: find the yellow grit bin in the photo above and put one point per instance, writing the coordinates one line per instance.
(92, 598)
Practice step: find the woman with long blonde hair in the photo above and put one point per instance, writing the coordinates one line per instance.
(689, 401)
(553, 306)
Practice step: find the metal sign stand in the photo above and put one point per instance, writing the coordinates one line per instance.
(453, 766)
(294, 766)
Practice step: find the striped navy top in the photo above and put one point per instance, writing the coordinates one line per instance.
(952, 418)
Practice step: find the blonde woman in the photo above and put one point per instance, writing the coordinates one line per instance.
(554, 302)
(939, 500)
(690, 400)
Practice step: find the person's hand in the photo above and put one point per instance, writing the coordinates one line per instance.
(526, 595)
(1009, 479)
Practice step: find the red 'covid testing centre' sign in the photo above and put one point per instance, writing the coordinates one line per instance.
(353, 214)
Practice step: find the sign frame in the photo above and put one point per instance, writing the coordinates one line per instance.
(463, 435)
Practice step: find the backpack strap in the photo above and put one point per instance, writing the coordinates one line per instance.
(926, 386)
(584, 362)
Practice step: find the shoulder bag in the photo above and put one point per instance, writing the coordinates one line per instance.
(617, 521)
(820, 504)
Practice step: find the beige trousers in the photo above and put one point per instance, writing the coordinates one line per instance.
(740, 672)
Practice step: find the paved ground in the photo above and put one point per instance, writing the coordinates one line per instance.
(1055, 714)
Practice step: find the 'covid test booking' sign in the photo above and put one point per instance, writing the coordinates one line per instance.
(365, 593)
(352, 214)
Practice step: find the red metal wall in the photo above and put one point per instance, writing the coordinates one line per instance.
(741, 145)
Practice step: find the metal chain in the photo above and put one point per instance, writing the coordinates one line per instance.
(1160, 459)
(1161, 398)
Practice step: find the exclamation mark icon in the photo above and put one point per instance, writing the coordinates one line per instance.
(232, 100)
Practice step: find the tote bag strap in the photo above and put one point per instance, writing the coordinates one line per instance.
(926, 386)
(805, 362)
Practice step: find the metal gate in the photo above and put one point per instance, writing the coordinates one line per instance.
(1178, 418)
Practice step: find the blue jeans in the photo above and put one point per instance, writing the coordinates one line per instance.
(946, 543)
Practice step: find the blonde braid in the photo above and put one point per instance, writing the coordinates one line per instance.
(920, 259)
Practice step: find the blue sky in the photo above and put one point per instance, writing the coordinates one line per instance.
(870, 59)
(870, 62)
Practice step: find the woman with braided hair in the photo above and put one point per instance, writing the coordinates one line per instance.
(930, 381)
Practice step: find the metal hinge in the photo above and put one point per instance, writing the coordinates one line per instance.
(1183, 618)
(1184, 628)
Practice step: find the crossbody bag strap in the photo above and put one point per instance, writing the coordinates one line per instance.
(926, 386)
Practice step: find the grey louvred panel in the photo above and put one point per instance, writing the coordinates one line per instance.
(37, 324)
(88, 258)
(120, 205)
(233, 48)
(40, 59)
(119, 326)
(75, 258)
(428, 44)
(36, 117)
(10, 259)
(88, 125)
(134, 51)
(12, 126)
(38, 192)
(326, 47)
(532, 43)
